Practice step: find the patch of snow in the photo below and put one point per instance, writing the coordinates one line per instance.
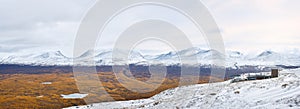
(46, 83)
(74, 96)
(40, 96)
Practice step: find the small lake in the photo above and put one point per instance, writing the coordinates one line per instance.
(46, 82)
(74, 96)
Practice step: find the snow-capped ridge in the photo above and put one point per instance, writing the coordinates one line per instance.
(190, 55)
(266, 53)
(56, 54)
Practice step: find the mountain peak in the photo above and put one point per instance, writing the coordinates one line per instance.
(266, 53)
(54, 54)
(87, 54)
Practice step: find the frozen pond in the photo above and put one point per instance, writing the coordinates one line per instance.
(46, 82)
(74, 96)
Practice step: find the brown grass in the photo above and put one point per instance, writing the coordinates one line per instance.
(26, 91)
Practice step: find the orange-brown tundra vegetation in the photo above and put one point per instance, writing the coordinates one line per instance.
(27, 91)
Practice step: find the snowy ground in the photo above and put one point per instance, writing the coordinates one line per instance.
(282, 92)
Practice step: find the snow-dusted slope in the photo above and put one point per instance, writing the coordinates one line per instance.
(282, 93)
(272, 57)
(45, 58)
(205, 57)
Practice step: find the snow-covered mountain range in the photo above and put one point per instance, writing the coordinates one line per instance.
(204, 56)
(276, 93)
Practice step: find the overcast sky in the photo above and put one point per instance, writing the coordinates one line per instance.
(51, 25)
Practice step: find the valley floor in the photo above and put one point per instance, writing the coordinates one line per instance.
(56, 90)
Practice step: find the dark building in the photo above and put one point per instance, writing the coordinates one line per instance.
(274, 73)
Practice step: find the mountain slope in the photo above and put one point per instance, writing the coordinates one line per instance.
(281, 92)
(204, 57)
(45, 58)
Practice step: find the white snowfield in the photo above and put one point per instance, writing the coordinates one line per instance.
(276, 93)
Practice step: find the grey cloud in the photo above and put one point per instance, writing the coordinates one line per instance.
(29, 24)
(15, 48)
(26, 14)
